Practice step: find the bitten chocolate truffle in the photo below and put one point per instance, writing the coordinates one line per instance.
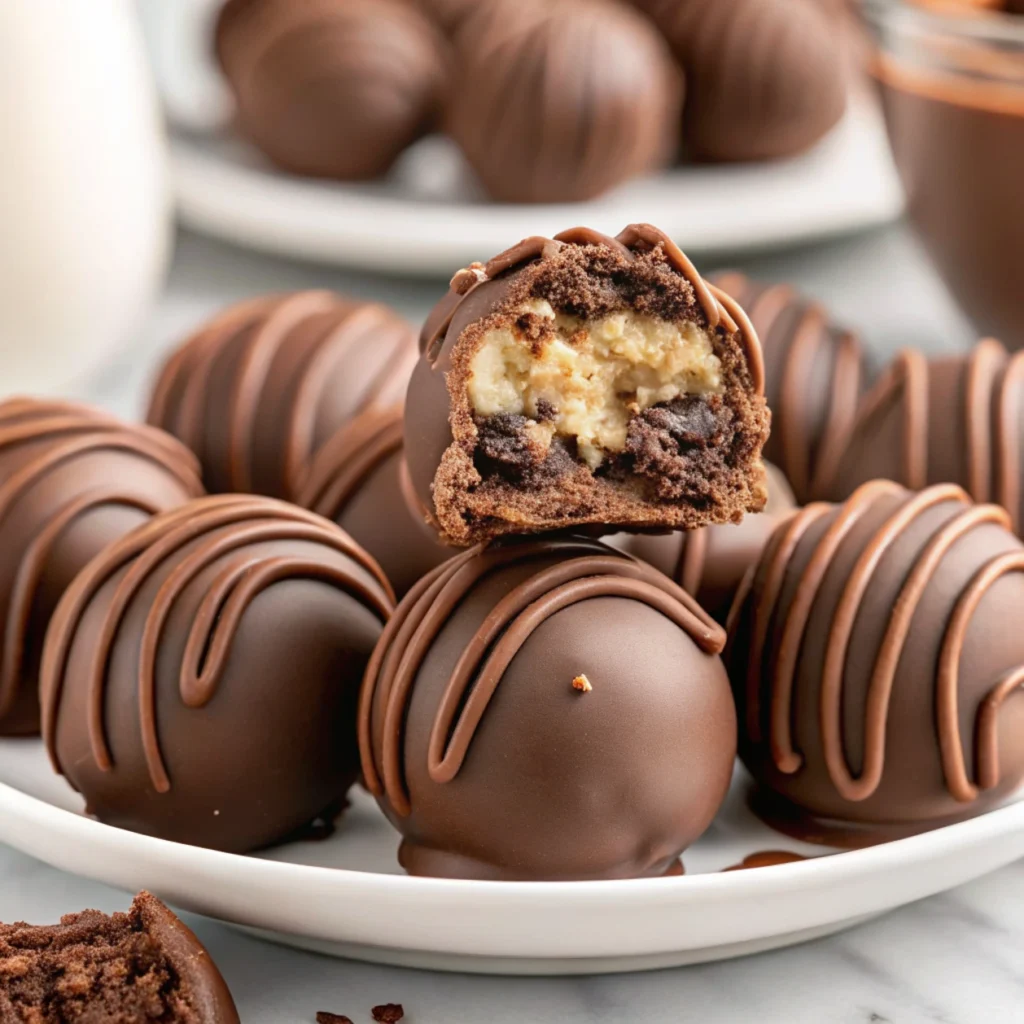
(710, 563)
(359, 480)
(72, 480)
(257, 390)
(201, 676)
(765, 78)
(560, 100)
(814, 376)
(332, 88)
(877, 661)
(145, 965)
(957, 419)
(547, 710)
(586, 380)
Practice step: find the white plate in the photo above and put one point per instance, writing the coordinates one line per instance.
(344, 895)
(420, 222)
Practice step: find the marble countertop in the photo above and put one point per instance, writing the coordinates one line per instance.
(956, 958)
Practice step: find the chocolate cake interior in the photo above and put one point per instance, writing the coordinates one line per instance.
(121, 969)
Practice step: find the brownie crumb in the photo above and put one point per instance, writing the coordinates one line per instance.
(324, 1017)
(506, 449)
(535, 329)
(388, 1013)
(503, 439)
(546, 411)
(582, 684)
(141, 966)
(680, 446)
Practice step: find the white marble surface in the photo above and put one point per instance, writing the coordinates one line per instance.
(956, 958)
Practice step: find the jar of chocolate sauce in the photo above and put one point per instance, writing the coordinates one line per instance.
(952, 79)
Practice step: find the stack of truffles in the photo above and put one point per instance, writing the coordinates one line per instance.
(601, 593)
(548, 100)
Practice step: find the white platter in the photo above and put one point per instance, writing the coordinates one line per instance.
(344, 895)
(421, 222)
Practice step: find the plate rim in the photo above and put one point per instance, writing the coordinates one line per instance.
(241, 203)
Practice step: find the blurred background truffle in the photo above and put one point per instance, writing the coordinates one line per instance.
(764, 78)
(814, 376)
(560, 100)
(332, 88)
(956, 419)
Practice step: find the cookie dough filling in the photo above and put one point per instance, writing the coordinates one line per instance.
(586, 380)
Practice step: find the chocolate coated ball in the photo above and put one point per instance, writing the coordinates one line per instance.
(72, 480)
(561, 100)
(765, 78)
(332, 88)
(877, 664)
(955, 419)
(359, 480)
(201, 676)
(260, 388)
(814, 376)
(547, 710)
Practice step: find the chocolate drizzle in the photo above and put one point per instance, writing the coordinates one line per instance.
(258, 390)
(58, 434)
(909, 411)
(358, 479)
(215, 623)
(774, 630)
(588, 570)
(349, 458)
(766, 859)
(814, 373)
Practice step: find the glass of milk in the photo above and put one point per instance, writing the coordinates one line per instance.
(85, 212)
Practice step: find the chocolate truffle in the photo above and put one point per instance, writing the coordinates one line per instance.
(72, 480)
(547, 709)
(561, 100)
(876, 658)
(256, 391)
(359, 480)
(145, 965)
(201, 676)
(814, 376)
(332, 88)
(586, 380)
(957, 419)
(710, 563)
(764, 78)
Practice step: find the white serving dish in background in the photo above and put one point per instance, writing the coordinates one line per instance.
(420, 222)
(345, 896)
(428, 219)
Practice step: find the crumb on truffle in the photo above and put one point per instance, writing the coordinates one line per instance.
(582, 683)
